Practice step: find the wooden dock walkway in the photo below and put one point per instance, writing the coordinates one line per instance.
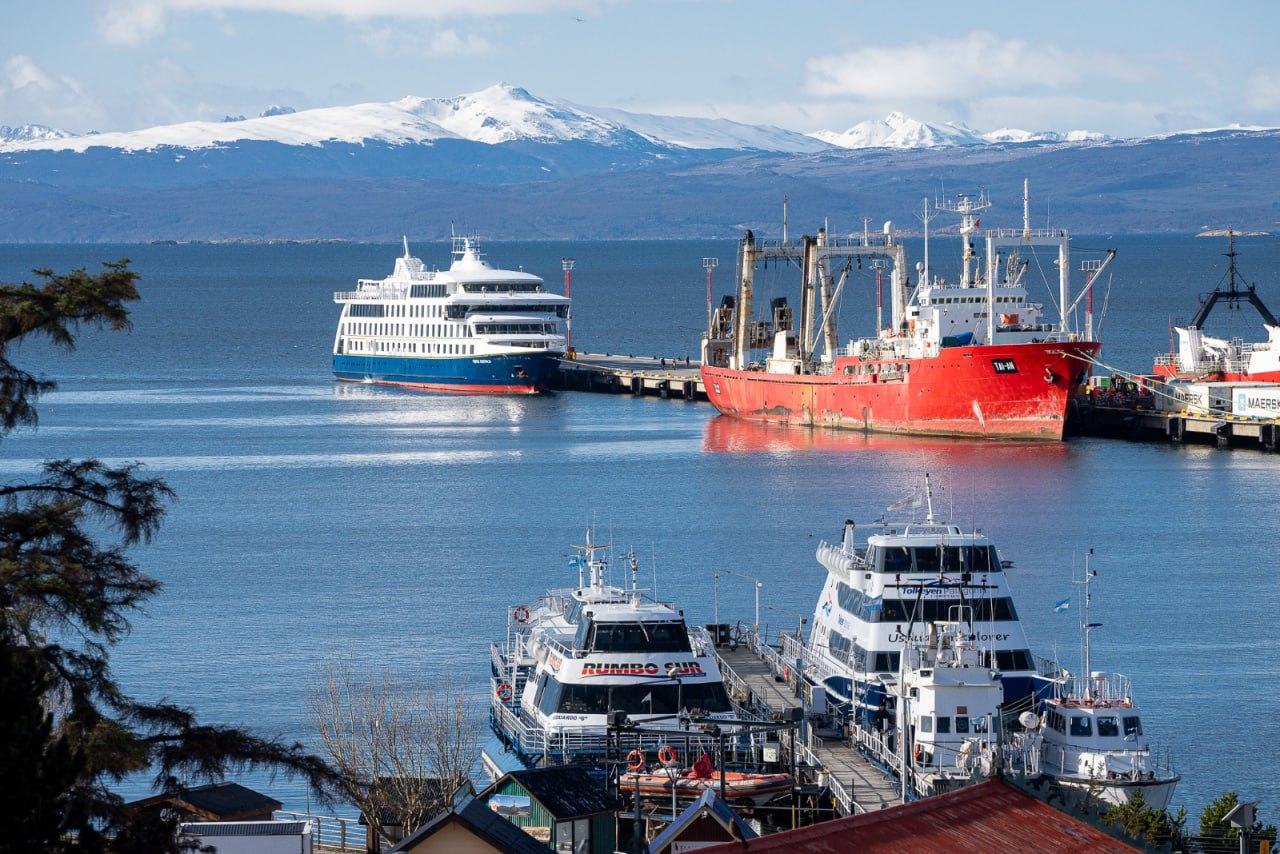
(762, 682)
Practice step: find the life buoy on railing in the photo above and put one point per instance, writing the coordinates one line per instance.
(520, 614)
(504, 692)
(667, 755)
(635, 760)
(786, 674)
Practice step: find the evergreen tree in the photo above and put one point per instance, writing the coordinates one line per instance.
(67, 729)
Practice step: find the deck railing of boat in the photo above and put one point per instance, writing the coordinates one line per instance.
(557, 748)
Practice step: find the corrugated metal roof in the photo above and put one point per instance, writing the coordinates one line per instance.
(246, 828)
(987, 818)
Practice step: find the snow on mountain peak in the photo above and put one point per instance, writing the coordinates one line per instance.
(504, 113)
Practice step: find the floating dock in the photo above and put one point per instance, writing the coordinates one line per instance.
(641, 376)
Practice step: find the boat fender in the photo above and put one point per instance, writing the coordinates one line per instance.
(918, 754)
(667, 755)
(520, 614)
(504, 692)
(635, 760)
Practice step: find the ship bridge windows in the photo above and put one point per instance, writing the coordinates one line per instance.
(634, 636)
(865, 661)
(1108, 727)
(644, 698)
(363, 309)
(1081, 726)
(1009, 660)
(1132, 726)
(514, 328)
(902, 559)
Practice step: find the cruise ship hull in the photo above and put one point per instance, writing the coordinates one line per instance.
(1014, 391)
(524, 373)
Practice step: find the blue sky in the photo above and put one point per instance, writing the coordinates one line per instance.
(1121, 68)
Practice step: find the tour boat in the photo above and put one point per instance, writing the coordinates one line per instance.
(969, 357)
(472, 328)
(1093, 738)
(1205, 358)
(912, 572)
(581, 664)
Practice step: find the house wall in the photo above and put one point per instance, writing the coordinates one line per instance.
(453, 839)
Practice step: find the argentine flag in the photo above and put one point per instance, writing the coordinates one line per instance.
(1062, 606)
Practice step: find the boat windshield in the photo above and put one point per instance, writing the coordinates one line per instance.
(635, 636)
(644, 698)
(900, 559)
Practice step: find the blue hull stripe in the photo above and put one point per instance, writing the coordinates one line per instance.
(527, 370)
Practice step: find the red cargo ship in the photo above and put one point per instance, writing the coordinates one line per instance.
(969, 358)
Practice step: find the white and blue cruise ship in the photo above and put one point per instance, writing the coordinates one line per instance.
(471, 328)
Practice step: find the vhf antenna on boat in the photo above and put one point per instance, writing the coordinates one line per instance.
(1089, 575)
(928, 497)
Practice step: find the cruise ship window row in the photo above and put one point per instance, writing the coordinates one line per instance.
(355, 345)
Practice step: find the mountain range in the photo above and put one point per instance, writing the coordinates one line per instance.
(515, 166)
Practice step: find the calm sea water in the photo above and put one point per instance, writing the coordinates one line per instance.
(397, 527)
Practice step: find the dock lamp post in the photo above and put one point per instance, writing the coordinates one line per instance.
(567, 264)
(759, 584)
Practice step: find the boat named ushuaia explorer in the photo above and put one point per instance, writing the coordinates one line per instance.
(471, 328)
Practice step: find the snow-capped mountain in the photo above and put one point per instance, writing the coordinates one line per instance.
(499, 114)
(504, 114)
(29, 133)
(899, 131)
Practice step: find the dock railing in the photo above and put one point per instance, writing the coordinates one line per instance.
(328, 832)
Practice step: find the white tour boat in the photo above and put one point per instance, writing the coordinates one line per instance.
(1093, 738)
(579, 660)
(912, 573)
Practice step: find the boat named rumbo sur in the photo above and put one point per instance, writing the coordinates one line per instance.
(472, 328)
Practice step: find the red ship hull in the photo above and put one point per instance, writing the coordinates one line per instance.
(1014, 391)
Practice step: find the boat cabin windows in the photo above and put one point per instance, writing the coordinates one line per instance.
(1055, 719)
(874, 662)
(502, 287)
(944, 725)
(1108, 727)
(645, 698)
(633, 636)
(1009, 660)
(999, 609)
(1081, 726)
(1132, 726)
(903, 559)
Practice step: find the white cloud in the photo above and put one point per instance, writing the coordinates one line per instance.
(130, 22)
(943, 70)
(395, 41)
(28, 91)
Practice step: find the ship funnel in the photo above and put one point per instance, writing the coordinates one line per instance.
(888, 228)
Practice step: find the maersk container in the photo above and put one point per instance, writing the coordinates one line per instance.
(1194, 398)
(1258, 401)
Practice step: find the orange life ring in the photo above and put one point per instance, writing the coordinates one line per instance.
(504, 692)
(667, 755)
(520, 614)
(786, 675)
(635, 760)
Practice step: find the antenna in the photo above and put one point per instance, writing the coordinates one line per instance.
(926, 217)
